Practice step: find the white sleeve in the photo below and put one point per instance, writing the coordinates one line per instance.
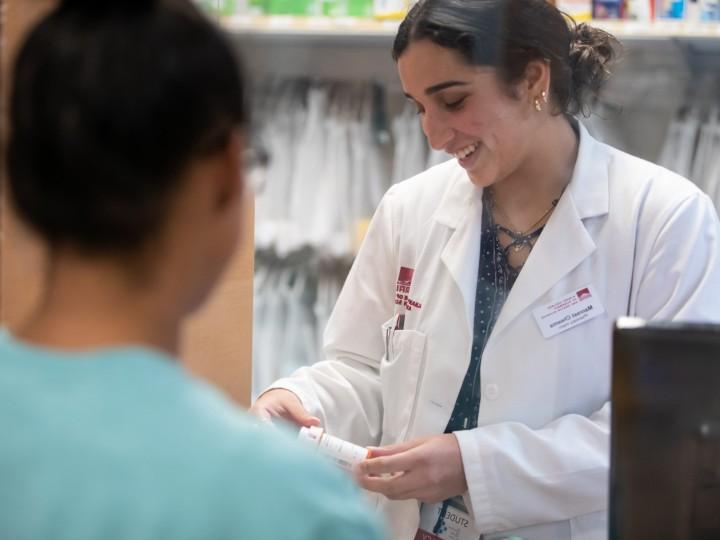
(344, 390)
(518, 476)
(677, 275)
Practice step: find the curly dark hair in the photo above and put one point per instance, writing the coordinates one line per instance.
(508, 34)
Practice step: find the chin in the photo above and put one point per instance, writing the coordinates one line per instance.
(482, 179)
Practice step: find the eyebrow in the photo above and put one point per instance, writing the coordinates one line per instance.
(439, 87)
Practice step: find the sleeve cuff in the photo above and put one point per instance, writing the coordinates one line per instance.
(477, 476)
(308, 401)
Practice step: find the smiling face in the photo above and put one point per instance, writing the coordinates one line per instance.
(468, 112)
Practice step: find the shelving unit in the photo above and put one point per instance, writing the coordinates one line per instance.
(353, 29)
(310, 27)
(660, 64)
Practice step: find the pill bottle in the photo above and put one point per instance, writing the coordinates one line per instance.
(343, 453)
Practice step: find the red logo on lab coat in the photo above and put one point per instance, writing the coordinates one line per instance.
(402, 289)
(405, 276)
(582, 294)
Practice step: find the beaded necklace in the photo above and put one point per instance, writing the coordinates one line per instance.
(519, 240)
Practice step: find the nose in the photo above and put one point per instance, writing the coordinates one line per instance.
(438, 132)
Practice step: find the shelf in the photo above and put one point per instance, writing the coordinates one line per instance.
(659, 30)
(369, 29)
(340, 28)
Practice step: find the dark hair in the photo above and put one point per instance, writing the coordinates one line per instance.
(508, 34)
(110, 103)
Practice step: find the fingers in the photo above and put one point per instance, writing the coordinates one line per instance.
(296, 413)
(280, 403)
(399, 486)
(392, 449)
(391, 458)
(428, 469)
(376, 466)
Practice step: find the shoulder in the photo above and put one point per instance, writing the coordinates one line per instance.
(429, 185)
(644, 183)
(172, 451)
(420, 197)
(640, 195)
(665, 208)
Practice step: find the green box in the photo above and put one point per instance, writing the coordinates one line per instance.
(360, 8)
(294, 7)
(348, 8)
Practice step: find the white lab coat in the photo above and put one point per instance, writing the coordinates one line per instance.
(646, 239)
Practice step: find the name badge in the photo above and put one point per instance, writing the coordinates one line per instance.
(574, 309)
(448, 520)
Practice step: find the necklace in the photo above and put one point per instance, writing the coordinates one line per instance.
(520, 239)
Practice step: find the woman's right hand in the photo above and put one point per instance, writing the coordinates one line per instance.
(280, 403)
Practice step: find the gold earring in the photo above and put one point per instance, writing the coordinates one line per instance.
(538, 107)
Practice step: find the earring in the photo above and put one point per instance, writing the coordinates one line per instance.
(544, 96)
(538, 107)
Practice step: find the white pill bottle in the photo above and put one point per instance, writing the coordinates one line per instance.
(343, 453)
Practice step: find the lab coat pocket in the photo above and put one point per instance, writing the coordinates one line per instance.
(400, 374)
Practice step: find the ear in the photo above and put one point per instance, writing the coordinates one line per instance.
(536, 80)
(231, 175)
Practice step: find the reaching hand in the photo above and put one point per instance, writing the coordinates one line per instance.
(280, 403)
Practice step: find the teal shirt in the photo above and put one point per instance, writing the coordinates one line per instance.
(123, 444)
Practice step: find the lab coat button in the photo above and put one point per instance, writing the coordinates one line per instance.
(492, 391)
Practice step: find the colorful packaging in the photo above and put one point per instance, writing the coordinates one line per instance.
(608, 9)
(294, 7)
(390, 9)
(670, 9)
(579, 10)
(709, 10)
(639, 10)
(360, 8)
(223, 7)
(257, 6)
(348, 8)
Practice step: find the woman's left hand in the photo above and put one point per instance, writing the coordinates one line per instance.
(428, 469)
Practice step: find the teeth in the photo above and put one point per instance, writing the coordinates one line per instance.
(465, 152)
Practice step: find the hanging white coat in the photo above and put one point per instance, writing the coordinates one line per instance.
(645, 241)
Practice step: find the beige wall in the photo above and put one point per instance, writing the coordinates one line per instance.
(217, 342)
(21, 258)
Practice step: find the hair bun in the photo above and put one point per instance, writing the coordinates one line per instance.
(592, 51)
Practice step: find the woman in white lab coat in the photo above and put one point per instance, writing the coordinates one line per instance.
(471, 343)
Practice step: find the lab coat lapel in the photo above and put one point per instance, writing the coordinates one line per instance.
(449, 261)
(461, 210)
(565, 242)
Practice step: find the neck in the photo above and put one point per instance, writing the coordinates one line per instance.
(530, 190)
(92, 302)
